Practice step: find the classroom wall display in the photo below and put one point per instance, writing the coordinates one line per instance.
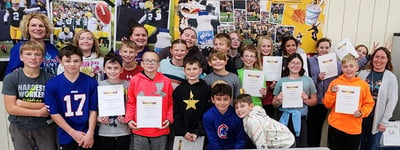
(11, 14)
(71, 16)
(303, 19)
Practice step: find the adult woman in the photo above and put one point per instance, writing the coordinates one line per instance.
(234, 52)
(317, 113)
(294, 72)
(139, 35)
(383, 86)
(189, 35)
(35, 27)
(93, 60)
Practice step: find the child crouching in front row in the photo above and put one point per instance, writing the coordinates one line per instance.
(263, 131)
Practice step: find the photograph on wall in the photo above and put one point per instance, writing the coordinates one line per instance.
(277, 10)
(226, 14)
(225, 28)
(283, 31)
(239, 4)
(72, 16)
(200, 15)
(264, 17)
(152, 14)
(253, 10)
(11, 14)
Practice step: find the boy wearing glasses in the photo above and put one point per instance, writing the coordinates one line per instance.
(149, 82)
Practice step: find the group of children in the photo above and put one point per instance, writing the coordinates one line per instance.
(191, 107)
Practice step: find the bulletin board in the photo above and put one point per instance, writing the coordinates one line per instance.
(302, 19)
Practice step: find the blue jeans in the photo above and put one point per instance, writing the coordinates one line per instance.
(369, 141)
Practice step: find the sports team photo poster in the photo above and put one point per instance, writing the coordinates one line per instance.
(71, 16)
(11, 14)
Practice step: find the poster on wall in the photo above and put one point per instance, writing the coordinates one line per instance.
(202, 15)
(302, 19)
(11, 14)
(71, 16)
(152, 14)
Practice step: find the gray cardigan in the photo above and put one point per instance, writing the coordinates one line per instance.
(387, 98)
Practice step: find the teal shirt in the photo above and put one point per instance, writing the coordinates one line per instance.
(256, 100)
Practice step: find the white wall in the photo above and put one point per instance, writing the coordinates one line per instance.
(362, 21)
(5, 140)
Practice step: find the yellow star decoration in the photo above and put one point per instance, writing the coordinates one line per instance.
(190, 103)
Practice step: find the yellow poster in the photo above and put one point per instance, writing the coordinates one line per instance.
(302, 19)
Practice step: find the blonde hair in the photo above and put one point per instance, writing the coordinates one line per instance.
(349, 58)
(95, 48)
(24, 26)
(31, 45)
(129, 44)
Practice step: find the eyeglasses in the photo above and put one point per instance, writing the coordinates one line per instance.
(148, 62)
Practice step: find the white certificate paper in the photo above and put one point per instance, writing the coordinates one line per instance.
(347, 98)
(111, 100)
(305, 63)
(328, 64)
(253, 81)
(292, 94)
(272, 67)
(343, 48)
(391, 136)
(148, 111)
(180, 143)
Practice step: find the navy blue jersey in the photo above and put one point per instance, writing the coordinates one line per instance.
(73, 101)
(16, 16)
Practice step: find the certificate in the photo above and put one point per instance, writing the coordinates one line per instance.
(272, 67)
(328, 64)
(391, 136)
(347, 98)
(343, 48)
(148, 111)
(253, 81)
(111, 100)
(180, 143)
(305, 63)
(292, 94)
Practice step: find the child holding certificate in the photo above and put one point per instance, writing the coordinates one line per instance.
(191, 100)
(264, 48)
(148, 87)
(114, 133)
(71, 98)
(223, 127)
(317, 114)
(345, 129)
(297, 99)
(263, 131)
(251, 62)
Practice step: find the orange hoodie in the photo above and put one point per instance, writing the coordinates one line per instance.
(347, 122)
